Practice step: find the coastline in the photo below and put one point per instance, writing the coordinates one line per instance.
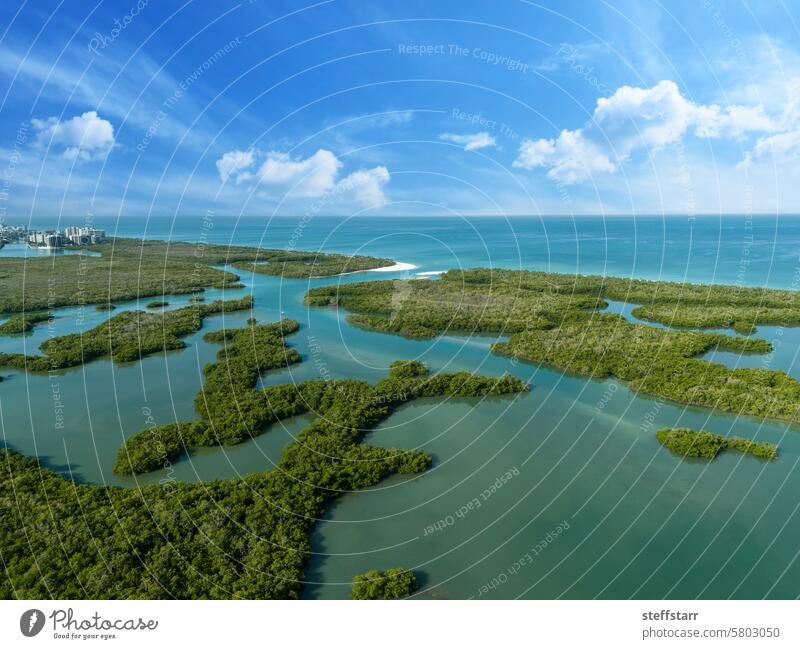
(399, 266)
(208, 465)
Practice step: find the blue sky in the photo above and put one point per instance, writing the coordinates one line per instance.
(440, 108)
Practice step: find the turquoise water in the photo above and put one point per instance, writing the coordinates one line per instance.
(21, 249)
(594, 506)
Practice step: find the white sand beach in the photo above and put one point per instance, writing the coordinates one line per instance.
(393, 269)
(399, 266)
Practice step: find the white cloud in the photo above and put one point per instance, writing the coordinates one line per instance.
(571, 157)
(470, 142)
(52, 72)
(316, 176)
(633, 119)
(85, 137)
(366, 186)
(233, 163)
(310, 177)
(779, 148)
(390, 118)
(733, 122)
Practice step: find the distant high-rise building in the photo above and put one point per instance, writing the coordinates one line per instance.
(83, 236)
(54, 240)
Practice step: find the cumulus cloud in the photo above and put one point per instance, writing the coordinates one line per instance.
(781, 147)
(234, 162)
(470, 142)
(310, 177)
(633, 119)
(316, 176)
(366, 186)
(85, 137)
(571, 156)
(733, 121)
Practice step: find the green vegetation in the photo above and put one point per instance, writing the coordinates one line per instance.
(243, 538)
(157, 447)
(127, 336)
(157, 304)
(690, 443)
(304, 265)
(232, 409)
(662, 363)
(129, 269)
(105, 306)
(249, 537)
(395, 583)
(763, 450)
(493, 300)
(555, 319)
(22, 323)
(742, 319)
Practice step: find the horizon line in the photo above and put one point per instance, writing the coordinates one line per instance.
(411, 216)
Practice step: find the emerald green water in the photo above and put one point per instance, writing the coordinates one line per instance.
(595, 506)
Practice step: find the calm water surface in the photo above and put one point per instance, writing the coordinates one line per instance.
(594, 506)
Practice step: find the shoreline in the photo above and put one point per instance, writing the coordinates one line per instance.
(400, 265)
(396, 268)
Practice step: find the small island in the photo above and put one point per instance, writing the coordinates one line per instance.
(707, 445)
(21, 323)
(395, 583)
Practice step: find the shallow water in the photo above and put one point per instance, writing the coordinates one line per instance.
(22, 249)
(596, 507)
